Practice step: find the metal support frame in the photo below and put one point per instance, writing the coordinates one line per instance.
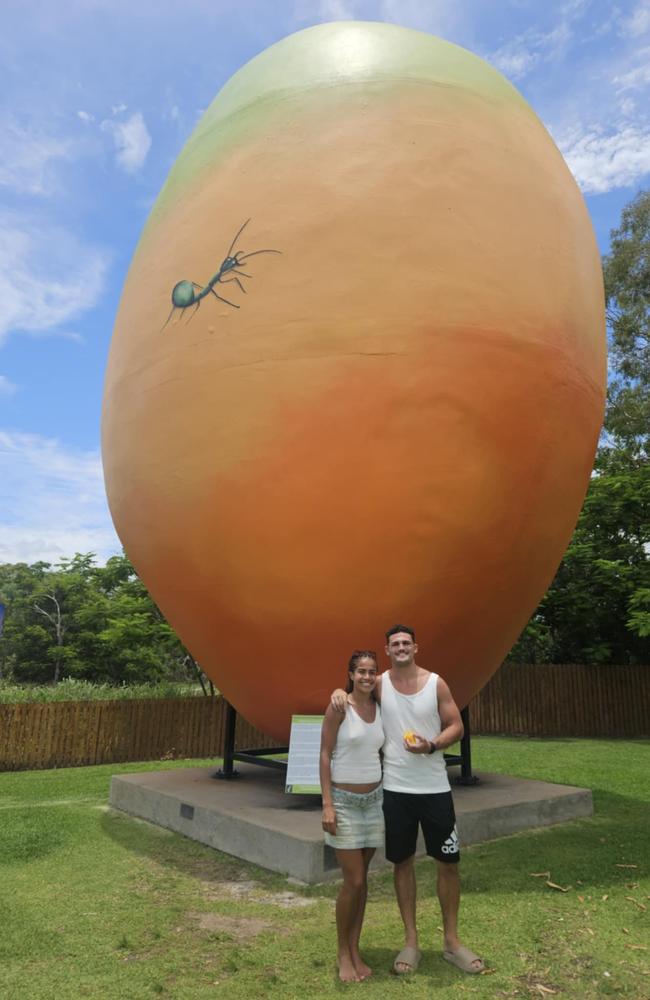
(260, 756)
(227, 772)
(254, 756)
(464, 758)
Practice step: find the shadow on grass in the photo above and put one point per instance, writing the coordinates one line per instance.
(28, 835)
(585, 850)
(186, 856)
(583, 854)
(432, 966)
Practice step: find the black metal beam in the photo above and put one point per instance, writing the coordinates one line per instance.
(464, 758)
(252, 757)
(228, 772)
(260, 756)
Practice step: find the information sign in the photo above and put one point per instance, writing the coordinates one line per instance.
(304, 752)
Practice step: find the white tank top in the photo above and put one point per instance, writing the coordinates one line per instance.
(418, 773)
(355, 760)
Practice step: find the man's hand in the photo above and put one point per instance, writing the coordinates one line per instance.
(417, 744)
(339, 700)
(329, 820)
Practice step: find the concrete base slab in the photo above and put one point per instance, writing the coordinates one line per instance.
(252, 818)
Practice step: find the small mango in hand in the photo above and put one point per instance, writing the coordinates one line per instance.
(410, 737)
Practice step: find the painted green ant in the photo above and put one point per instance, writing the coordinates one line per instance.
(189, 293)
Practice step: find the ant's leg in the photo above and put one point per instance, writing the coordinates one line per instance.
(244, 273)
(221, 299)
(236, 280)
(171, 312)
(194, 313)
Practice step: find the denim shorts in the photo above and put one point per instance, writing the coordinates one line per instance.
(359, 819)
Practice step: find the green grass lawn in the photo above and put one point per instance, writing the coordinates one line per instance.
(94, 904)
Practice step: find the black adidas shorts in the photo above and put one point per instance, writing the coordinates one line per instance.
(404, 812)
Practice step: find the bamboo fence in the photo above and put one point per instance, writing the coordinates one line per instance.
(561, 700)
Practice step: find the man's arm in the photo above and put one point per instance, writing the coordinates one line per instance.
(452, 725)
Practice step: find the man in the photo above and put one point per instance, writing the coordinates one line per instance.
(420, 719)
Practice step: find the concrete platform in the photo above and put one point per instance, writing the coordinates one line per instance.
(253, 819)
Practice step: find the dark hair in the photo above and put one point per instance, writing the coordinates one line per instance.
(359, 654)
(400, 628)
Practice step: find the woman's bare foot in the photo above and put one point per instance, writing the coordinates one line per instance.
(347, 971)
(363, 970)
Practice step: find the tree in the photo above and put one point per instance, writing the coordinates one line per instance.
(596, 610)
(136, 643)
(24, 638)
(87, 621)
(58, 599)
(627, 290)
(598, 606)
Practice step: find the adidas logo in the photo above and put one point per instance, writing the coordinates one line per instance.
(451, 845)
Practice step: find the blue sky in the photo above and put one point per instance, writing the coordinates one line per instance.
(98, 98)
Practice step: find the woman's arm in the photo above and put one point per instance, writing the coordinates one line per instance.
(329, 732)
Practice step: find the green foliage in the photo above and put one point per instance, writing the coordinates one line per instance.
(627, 290)
(86, 622)
(73, 689)
(598, 607)
(639, 620)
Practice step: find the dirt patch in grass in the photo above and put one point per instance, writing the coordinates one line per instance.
(243, 889)
(252, 892)
(538, 986)
(287, 900)
(240, 928)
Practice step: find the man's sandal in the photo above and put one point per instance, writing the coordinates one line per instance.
(407, 956)
(464, 960)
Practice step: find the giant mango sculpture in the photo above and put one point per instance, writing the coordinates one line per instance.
(358, 370)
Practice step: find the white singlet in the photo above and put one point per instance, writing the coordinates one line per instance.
(415, 773)
(355, 759)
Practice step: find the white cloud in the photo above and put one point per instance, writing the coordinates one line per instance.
(603, 161)
(336, 10)
(324, 10)
(53, 501)
(519, 55)
(132, 141)
(637, 77)
(72, 335)
(628, 107)
(438, 16)
(26, 159)
(85, 116)
(638, 22)
(7, 388)
(47, 276)
(515, 59)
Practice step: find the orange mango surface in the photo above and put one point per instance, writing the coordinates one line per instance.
(398, 422)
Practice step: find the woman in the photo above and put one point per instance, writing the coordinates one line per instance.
(350, 778)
